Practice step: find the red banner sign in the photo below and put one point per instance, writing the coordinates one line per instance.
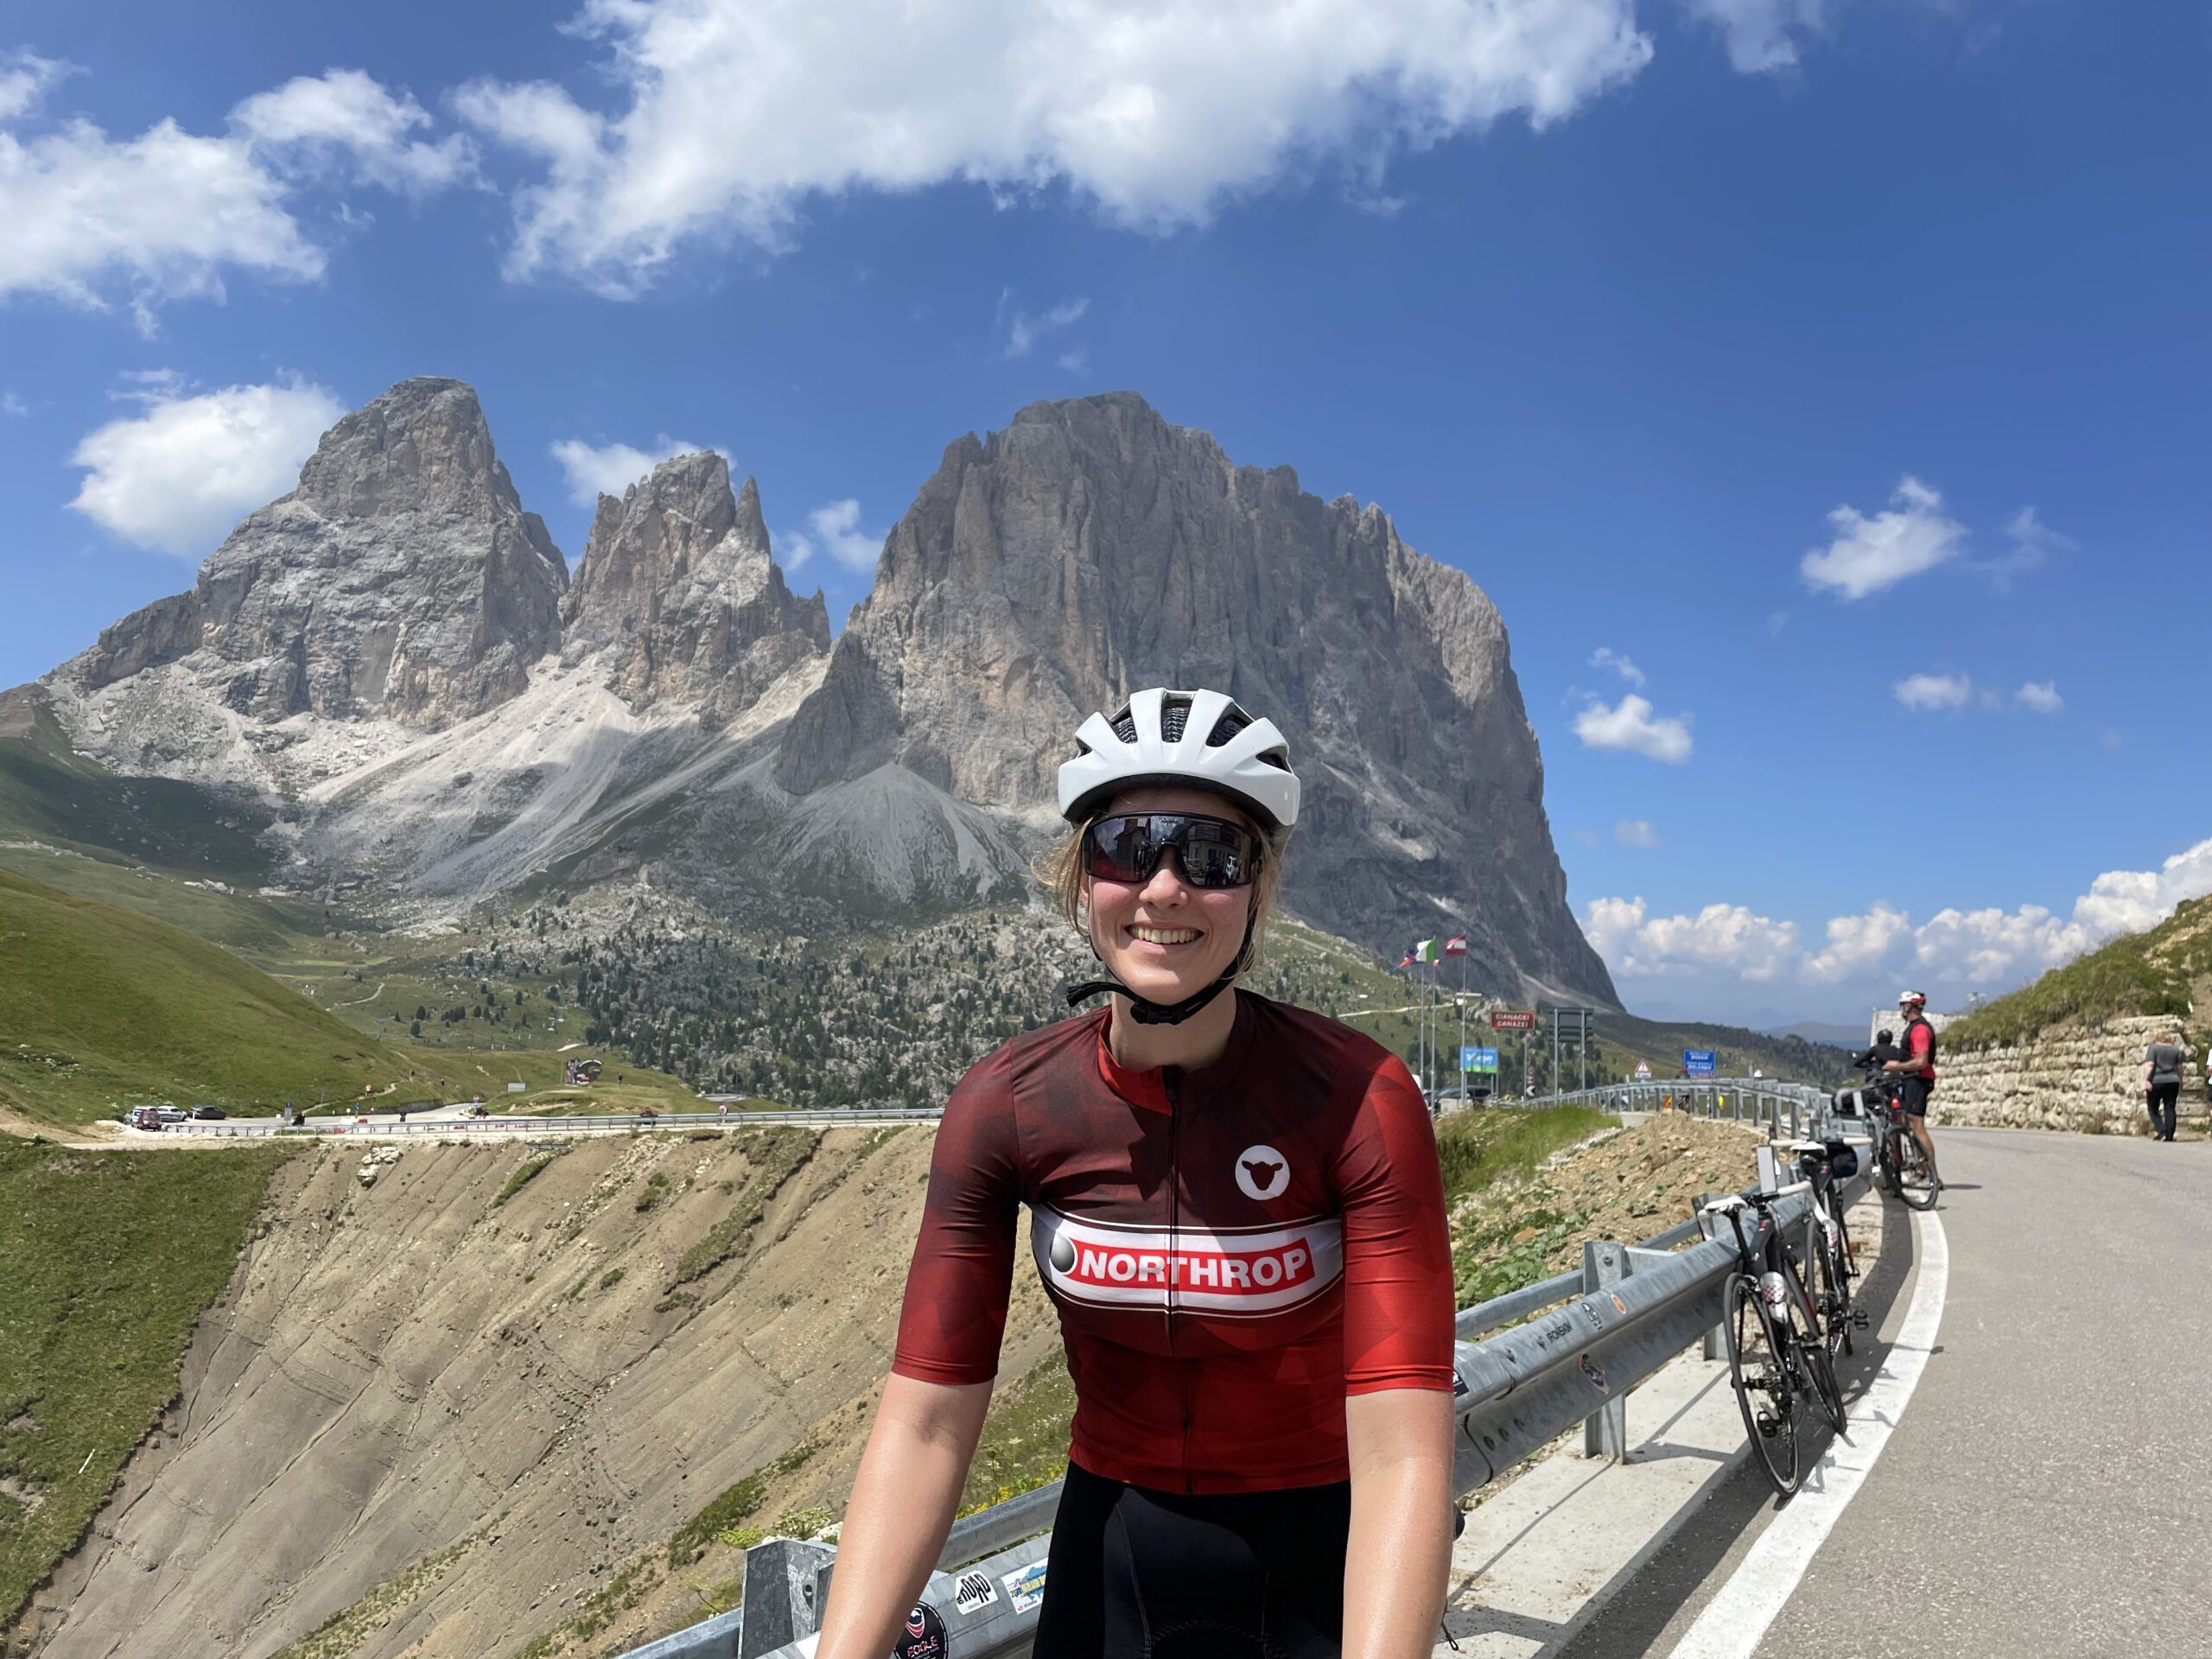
(1512, 1019)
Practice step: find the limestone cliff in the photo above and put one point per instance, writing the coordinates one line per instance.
(1092, 548)
(402, 578)
(678, 587)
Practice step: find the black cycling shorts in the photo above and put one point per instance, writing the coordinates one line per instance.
(1912, 1095)
(1139, 1574)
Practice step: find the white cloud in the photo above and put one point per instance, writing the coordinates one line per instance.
(1075, 361)
(1988, 950)
(178, 476)
(733, 114)
(1933, 690)
(1725, 937)
(1858, 944)
(1636, 832)
(24, 79)
(346, 119)
(834, 530)
(1870, 554)
(2033, 542)
(163, 216)
(2041, 695)
(597, 470)
(2127, 901)
(1761, 35)
(13, 406)
(1606, 656)
(1023, 331)
(1630, 725)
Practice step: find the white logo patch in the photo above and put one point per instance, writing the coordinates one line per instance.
(974, 1592)
(1263, 1172)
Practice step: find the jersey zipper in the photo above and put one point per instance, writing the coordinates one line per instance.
(1169, 1078)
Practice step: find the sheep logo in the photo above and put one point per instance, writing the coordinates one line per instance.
(1263, 1173)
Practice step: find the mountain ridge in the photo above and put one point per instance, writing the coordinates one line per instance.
(395, 661)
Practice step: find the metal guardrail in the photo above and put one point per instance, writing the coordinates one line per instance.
(819, 1117)
(1565, 1350)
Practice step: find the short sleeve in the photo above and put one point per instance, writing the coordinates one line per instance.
(954, 1309)
(1398, 1289)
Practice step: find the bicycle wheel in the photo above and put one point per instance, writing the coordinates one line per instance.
(1764, 1391)
(1809, 1348)
(1885, 1161)
(1835, 1281)
(1916, 1175)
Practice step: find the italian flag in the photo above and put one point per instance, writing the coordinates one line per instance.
(1425, 952)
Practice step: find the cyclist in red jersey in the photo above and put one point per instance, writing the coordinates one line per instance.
(1237, 1207)
(1916, 1073)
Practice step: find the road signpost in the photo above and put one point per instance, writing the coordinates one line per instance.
(1699, 1062)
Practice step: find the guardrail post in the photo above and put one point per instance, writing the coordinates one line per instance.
(1716, 1339)
(1605, 1432)
(780, 1604)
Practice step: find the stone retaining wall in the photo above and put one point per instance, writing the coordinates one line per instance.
(2082, 1077)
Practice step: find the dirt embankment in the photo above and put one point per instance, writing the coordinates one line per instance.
(461, 1417)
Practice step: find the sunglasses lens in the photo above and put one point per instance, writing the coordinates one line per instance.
(1213, 855)
(1121, 849)
(1209, 852)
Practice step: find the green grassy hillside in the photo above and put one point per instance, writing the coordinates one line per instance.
(106, 1258)
(2161, 972)
(49, 792)
(101, 1007)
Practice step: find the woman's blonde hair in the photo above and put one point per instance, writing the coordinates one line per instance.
(1059, 869)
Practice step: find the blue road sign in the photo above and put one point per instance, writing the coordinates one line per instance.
(1478, 1059)
(1700, 1062)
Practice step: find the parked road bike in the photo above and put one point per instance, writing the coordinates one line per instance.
(1905, 1169)
(1777, 1357)
(1899, 1158)
(1832, 1264)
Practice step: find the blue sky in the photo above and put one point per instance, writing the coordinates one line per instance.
(1625, 309)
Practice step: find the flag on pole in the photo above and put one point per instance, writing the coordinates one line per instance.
(1425, 952)
(1408, 963)
(1456, 945)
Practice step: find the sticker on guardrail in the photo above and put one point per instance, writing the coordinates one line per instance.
(923, 1636)
(974, 1592)
(1024, 1586)
(1597, 1377)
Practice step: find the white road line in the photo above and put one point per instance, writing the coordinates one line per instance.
(1737, 1618)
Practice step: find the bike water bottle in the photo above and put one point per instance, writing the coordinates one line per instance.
(1774, 1290)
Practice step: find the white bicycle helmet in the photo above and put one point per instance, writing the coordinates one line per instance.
(1199, 738)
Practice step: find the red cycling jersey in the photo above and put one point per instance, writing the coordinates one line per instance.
(1920, 1045)
(1232, 1250)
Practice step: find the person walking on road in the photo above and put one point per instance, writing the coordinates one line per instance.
(2162, 1060)
(1237, 1207)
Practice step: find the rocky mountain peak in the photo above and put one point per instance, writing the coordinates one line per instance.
(679, 589)
(1092, 548)
(402, 579)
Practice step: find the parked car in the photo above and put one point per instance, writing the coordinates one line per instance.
(145, 1117)
(171, 1114)
(212, 1114)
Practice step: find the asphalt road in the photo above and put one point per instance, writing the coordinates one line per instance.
(2048, 1490)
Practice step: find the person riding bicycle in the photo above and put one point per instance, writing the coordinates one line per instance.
(1237, 1208)
(1914, 1069)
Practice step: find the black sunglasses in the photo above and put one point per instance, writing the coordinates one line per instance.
(1210, 852)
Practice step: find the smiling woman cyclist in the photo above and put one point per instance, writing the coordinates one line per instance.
(1235, 1206)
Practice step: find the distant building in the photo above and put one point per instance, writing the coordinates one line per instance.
(1890, 1020)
